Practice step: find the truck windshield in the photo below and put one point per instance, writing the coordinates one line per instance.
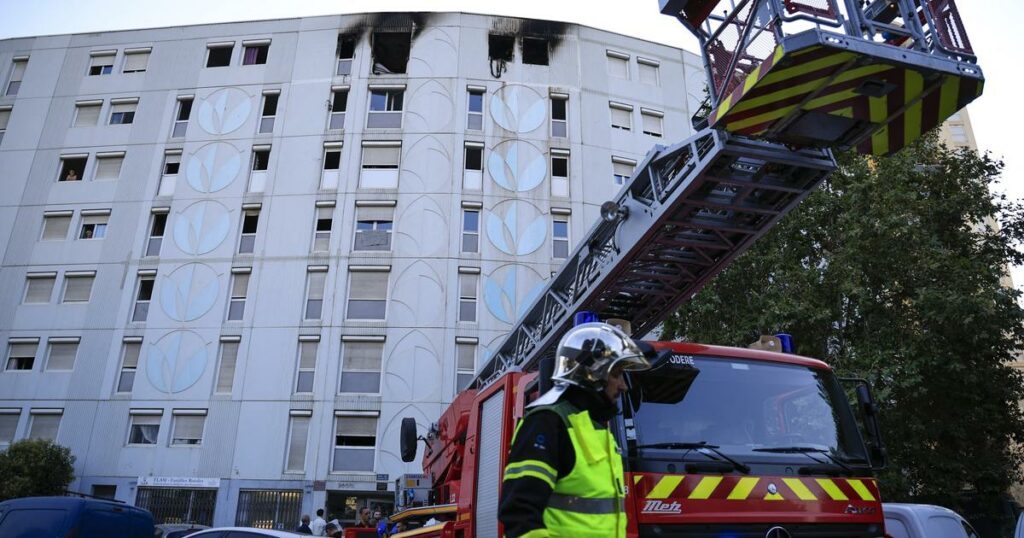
(742, 406)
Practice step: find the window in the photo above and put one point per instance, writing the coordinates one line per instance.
(385, 108)
(136, 60)
(465, 362)
(17, 74)
(475, 109)
(219, 54)
(355, 436)
(260, 163)
(255, 52)
(101, 62)
(331, 177)
(501, 47)
(250, 223)
(44, 423)
(560, 116)
(39, 287)
(361, 358)
(559, 172)
(131, 348)
(560, 236)
(473, 173)
(228, 360)
(618, 65)
(622, 116)
(298, 435)
(157, 226)
(339, 104)
(469, 278)
(316, 279)
(346, 51)
(122, 111)
(5, 117)
(322, 228)
(21, 354)
(143, 295)
(649, 71)
(239, 289)
(169, 173)
(144, 426)
(308, 346)
(108, 165)
(72, 167)
(9, 418)
(56, 225)
(61, 353)
(78, 286)
(181, 116)
(380, 165)
(368, 292)
(470, 230)
(391, 52)
(622, 170)
(651, 122)
(94, 224)
(187, 427)
(535, 51)
(87, 113)
(373, 226)
(269, 111)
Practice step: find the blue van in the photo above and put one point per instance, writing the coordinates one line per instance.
(63, 517)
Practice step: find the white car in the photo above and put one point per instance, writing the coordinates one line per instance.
(924, 521)
(242, 532)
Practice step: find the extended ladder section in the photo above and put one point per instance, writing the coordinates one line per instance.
(686, 213)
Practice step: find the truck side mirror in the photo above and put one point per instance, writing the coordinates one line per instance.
(869, 418)
(408, 439)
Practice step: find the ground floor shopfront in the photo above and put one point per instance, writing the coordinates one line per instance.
(267, 504)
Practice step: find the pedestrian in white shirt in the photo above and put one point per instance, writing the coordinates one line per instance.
(318, 525)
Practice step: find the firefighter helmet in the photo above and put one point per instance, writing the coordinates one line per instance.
(588, 352)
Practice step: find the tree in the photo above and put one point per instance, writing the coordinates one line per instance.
(33, 467)
(891, 271)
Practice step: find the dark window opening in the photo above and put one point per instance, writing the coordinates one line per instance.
(340, 101)
(391, 52)
(159, 224)
(346, 47)
(219, 57)
(20, 363)
(558, 109)
(146, 289)
(560, 167)
(501, 47)
(270, 104)
(250, 222)
(354, 440)
(171, 167)
(535, 51)
(323, 225)
(72, 169)
(184, 109)
(332, 160)
(260, 160)
(474, 159)
(255, 55)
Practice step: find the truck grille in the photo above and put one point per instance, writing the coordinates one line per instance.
(760, 531)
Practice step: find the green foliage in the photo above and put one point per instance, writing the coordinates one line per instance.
(891, 271)
(34, 467)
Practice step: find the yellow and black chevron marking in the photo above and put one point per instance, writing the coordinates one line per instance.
(735, 488)
(831, 81)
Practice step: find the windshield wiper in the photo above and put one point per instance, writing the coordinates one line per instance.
(807, 451)
(701, 446)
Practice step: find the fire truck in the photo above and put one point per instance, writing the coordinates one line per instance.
(718, 441)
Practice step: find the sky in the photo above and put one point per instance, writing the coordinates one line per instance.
(991, 24)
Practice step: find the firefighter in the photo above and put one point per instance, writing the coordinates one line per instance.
(564, 473)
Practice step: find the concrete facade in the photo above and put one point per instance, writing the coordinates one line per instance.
(236, 211)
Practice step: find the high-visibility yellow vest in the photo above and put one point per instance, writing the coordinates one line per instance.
(589, 502)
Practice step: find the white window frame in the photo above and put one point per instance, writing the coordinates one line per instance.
(7, 412)
(559, 215)
(298, 425)
(104, 60)
(266, 123)
(462, 373)
(255, 44)
(19, 64)
(238, 293)
(357, 269)
(36, 278)
(315, 299)
(341, 449)
(131, 348)
(143, 52)
(154, 242)
(324, 212)
(336, 118)
(247, 240)
(564, 122)
(5, 119)
(108, 156)
(471, 234)
(140, 307)
(347, 344)
(50, 218)
(93, 223)
(393, 111)
(330, 178)
(55, 342)
(93, 105)
(178, 415)
(180, 126)
(469, 277)
(147, 417)
(384, 175)
(12, 343)
(618, 178)
(648, 114)
(44, 412)
(70, 276)
(365, 210)
(305, 373)
(127, 108)
(560, 184)
(621, 108)
(653, 65)
(219, 45)
(225, 369)
(475, 118)
(617, 59)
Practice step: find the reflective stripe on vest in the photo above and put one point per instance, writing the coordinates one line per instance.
(585, 505)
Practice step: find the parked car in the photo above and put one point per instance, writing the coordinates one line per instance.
(177, 530)
(924, 521)
(35, 517)
(243, 532)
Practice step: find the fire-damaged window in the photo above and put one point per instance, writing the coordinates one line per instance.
(535, 51)
(501, 47)
(346, 51)
(391, 52)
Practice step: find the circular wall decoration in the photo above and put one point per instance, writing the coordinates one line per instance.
(510, 289)
(224, 111)
(201, 227)
(517, 166)
(213, 167)
(516, 227)
(176, 361)
(189, 291)
(518, 108)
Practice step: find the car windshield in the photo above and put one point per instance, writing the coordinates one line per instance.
(754, 410)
